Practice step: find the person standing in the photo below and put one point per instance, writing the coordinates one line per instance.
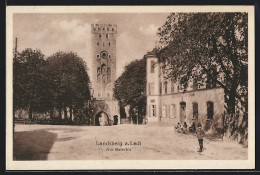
(200, 133)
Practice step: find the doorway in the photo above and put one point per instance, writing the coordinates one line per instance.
(183, 112)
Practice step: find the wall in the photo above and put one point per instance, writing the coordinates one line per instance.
(201, 96)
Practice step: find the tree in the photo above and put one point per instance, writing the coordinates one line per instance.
(28, 77)
(69, 83)
(130, 87)
(209, 48)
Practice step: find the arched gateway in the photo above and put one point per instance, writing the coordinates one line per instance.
(102, 119)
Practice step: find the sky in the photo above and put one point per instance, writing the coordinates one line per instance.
(136, 33)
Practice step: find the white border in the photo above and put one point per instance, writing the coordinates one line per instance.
(129, 164)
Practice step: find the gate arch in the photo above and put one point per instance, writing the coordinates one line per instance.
(101, 119)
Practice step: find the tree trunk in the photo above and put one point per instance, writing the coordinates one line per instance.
(60, 113)
(65, 112)
(70, 113)
(30, 113)
(51, 113)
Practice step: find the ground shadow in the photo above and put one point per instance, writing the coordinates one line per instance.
(33, 145)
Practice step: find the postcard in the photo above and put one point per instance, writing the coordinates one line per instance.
(130, 87)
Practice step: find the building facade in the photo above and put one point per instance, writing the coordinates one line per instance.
(167, 103)
(103, 40)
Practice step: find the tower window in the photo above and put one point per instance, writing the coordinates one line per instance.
(98, 43)
(100, 35)
(109, 56)
(106, 35)
(113, 29)
(103, 28)
(98, 56)
(107, 29)
(109, 44)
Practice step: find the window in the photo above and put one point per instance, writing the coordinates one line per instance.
(210, 109)
(164, 109)
(182, 112)
(106, 35)
(152, 66)
(109, 44)
(99, 35)
(98, 43)
(173, 111)
(98, 74)
(109, 56)
(195, 110)
(165, 87)
(104, 78)
(113, 29)
(98, 56)
(103, 28)
(153, 111)
(151, 88)
(107, 29)
(172, 87)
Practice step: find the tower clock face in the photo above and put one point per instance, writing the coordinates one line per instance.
(103, 54)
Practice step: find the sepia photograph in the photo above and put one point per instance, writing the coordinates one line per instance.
(130, 87)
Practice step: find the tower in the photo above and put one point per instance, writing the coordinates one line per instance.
(103, 40)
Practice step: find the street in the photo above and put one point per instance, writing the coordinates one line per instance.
(118, 142)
